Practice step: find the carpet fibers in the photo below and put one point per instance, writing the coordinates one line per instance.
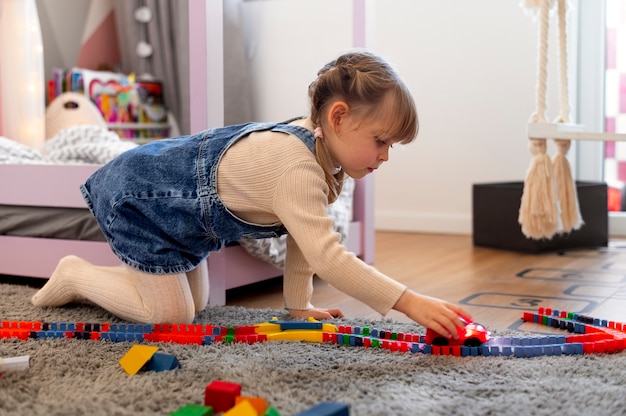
(71, 377)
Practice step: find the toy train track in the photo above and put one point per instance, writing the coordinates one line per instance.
(587, 335)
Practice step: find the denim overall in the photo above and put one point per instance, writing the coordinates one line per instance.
(158, 206)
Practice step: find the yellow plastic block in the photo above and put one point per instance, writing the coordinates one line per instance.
(259, 403)
(137, 357)
(305, 335)
(243, 408)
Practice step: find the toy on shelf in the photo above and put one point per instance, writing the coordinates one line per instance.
(133, 108)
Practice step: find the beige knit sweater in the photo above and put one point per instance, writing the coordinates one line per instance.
(271, 177)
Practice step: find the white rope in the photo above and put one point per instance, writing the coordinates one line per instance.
(539, 211)
(566, 188)
(563, 79)
(542, 64)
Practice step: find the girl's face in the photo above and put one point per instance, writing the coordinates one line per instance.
(358, 144)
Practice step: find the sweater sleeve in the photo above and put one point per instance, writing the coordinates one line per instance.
(300, 202)
(297, 279)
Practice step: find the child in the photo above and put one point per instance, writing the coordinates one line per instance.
(166, 205)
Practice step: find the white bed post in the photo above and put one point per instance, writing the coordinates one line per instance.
(206, 64)
(363, 203)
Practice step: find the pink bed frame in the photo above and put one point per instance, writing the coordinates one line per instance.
(57, 186)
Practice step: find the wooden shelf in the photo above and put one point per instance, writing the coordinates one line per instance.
(566, 131)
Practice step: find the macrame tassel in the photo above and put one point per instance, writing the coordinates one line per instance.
(566, 190)
(539, 212)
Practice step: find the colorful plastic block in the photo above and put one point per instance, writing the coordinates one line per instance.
(221, 395)
(137, 357)
(327, 409)
(14, 364)
(271, 411)
(162, 362)
(193, 410)
(243, 408)
(259, 403)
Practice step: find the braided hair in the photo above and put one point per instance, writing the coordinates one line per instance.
(365, 82)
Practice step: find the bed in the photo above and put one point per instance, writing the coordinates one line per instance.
(56, 186)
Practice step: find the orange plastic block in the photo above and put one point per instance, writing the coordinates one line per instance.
(243, 408)
(259, 403)
(221, 395)
(137, 357)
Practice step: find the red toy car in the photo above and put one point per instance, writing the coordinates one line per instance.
(474, 335)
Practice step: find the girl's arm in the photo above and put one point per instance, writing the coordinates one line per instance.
(433, 313)
(298, 286)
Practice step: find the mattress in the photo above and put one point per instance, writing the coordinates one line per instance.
(49, 222)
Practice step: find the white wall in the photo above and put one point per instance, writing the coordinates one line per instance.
(287, 42)
(472, 68)
(470, 65)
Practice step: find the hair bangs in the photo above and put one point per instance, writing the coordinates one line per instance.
(399, 110)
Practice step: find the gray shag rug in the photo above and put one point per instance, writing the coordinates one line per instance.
(71, 377)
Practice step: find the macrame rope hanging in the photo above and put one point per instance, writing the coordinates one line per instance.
(549, 201)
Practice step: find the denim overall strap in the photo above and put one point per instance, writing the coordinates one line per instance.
(158, 206)
(223, 225)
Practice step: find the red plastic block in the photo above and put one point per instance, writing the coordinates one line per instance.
(220, 395)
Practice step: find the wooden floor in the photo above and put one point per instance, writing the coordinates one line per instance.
(495, 286)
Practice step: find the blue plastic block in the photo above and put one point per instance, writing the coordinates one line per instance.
(327, 409)
(352, 340)
(485, 351)
(162, 362)
(495, 350)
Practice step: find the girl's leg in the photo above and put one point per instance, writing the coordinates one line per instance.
(123, 291)
(198, 279)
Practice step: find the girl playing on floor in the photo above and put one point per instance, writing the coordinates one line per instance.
(166, 205)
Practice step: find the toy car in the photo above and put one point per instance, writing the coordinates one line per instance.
(474, 335)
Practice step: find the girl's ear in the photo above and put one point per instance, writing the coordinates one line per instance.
(337, 114)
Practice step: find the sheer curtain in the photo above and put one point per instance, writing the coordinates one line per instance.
(153, 37)
(22, 95)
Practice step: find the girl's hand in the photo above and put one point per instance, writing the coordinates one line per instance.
(436, 314)
(316, 313)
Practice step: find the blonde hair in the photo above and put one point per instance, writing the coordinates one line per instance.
(365, 82)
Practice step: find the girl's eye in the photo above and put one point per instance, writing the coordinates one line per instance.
(383, 142)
